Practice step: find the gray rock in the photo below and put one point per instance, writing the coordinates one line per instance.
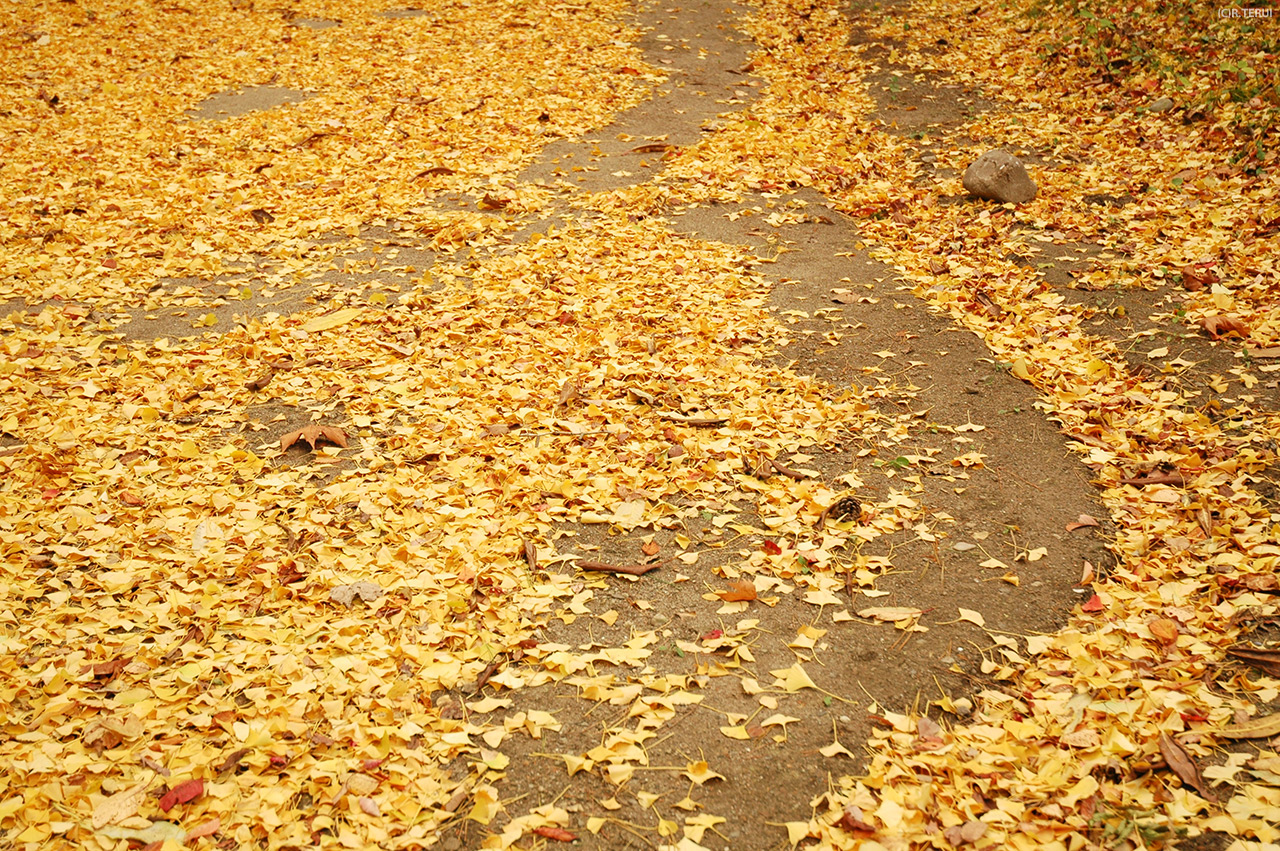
(1161, 105)
(999, 176)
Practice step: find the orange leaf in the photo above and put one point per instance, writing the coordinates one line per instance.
(1165, 630)
(559, 834)
(1223, 326)
(742, 589)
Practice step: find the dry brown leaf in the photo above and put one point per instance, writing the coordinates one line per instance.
(853, 821)
(890, 614)
(741, 589)
(1265, 660)
(313, 434)
(1224, 326)
(559, 834)
(260, 382)
(1183, 765)
(1083, 521)
(629, 569)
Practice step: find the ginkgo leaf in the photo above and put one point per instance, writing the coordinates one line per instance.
(332, 320)
(890, 614)
(794, 678)
(700, 773)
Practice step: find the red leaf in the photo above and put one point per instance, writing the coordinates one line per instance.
(1093, 604)
(180, 794)
(559, 834)
(772, 549)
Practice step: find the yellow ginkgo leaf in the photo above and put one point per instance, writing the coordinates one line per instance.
(699, 772)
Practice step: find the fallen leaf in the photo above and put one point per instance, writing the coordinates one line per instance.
(890, 614)
(207, 828)
(699, 772)
(1082, 522)
(963, 834)
(971, 616)
(1183, 765)
(559, 834)
(1083, 738)
(853, 821)
(120, 806)
(1165, 630)
(606, 567)
(1224, 326)
(260, 382)
(742, 589)
(157, 833)
(346, 594)
(181, 794)
(312, 434)
(332, 320)
(1093, 604)
(1265, 660)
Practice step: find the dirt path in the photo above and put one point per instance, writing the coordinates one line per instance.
(849, 322)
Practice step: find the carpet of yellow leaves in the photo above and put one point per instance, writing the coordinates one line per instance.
(165, 594)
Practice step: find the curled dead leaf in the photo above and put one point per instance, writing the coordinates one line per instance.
(1183, 765)
(1224, 326)
(313, 434)
(629, 569)
(1264, 660)
(559, 834)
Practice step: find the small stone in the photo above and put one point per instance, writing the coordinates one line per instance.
(999, 176)
(1161, 105)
